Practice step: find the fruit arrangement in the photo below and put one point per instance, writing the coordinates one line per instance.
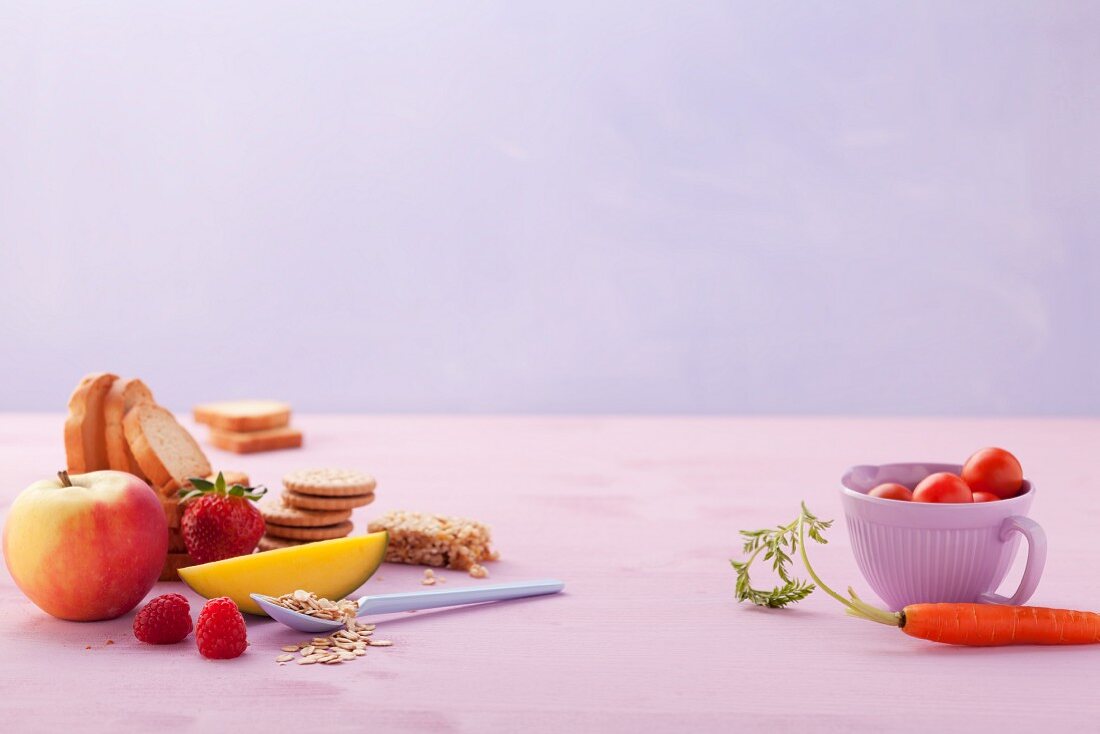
(140, 503)
(987, 476)
(115, 423)
(220, 633)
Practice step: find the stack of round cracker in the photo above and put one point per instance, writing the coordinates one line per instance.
(316, 504)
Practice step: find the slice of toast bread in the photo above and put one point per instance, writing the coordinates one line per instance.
(85, 445)
(247, 443)
(231, 477)
(123, 395)
(164, 450)
(172, 565)
(173, 512)
(175, 541)
(243, 415)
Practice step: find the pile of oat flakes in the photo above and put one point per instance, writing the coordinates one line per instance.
(341, 646)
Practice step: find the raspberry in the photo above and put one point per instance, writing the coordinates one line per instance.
(164, 620)
(220, 632)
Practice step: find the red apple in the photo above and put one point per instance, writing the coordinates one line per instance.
(88, 551)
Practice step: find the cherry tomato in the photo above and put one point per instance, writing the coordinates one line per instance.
(942, 487)
(985, 497)
(891, 491)
(995, 471)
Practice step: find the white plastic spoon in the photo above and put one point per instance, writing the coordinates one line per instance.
(411, 601)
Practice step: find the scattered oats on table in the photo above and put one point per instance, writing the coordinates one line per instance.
(341, 646)
(426, 539)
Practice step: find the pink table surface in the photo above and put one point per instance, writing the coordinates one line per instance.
(639, 517)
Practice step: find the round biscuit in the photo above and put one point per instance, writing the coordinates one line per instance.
(329, 482)
(268, 542)
(328, 532)
(310, 502)
(276, 511)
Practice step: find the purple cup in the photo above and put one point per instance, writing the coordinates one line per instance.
(918, 552)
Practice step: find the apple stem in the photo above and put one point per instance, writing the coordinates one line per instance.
(64, 477)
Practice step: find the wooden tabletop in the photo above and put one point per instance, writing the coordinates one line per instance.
(639, 517)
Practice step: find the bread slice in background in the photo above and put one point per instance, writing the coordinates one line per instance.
(167, 454)
(243, 415)
(175, 541)
(172, 565)
(231, 478)
(173, 511)
(85, 443)
(247, 443)
(123, 395)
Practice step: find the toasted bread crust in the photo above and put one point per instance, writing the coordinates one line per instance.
(85, 449)
(151, 463)
(173, 513)
(175, 541)
(123, 395)
(172, 565)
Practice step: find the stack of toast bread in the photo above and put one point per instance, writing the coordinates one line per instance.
(248, 426)
(114, 423)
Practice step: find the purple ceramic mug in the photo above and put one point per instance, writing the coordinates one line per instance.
(913, 552)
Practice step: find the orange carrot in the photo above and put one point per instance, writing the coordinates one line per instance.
(968, 624)
(998, 624)
(951, 624)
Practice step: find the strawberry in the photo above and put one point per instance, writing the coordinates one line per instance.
(221, 633)
(220, 522)
(164, 620)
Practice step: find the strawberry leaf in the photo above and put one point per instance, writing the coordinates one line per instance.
(249, 493)
(189, 494)
(199, 487)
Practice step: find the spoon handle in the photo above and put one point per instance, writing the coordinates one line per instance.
(411, 601)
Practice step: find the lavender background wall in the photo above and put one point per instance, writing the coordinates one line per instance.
(499, 206)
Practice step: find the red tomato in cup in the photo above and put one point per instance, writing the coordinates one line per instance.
(892, 491)
(942, 487)
(995, 471)
(985, 497)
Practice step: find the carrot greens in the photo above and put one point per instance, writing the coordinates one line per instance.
(778, 544)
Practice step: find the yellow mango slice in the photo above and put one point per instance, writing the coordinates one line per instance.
(331, 569)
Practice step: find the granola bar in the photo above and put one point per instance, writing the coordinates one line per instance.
(435, 540)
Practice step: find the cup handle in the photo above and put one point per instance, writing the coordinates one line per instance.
(1036, 559)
